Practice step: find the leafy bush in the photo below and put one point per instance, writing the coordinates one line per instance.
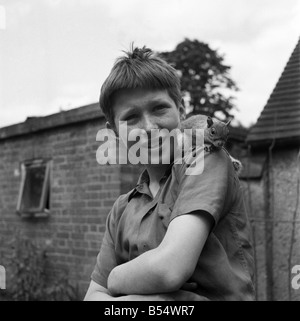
(29, 277)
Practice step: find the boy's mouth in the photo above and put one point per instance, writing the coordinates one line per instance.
(152, 141)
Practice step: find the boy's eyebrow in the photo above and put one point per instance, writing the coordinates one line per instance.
(128, 110)
(159, 101)
(153, 102)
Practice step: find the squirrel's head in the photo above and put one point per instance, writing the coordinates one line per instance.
(217, 132)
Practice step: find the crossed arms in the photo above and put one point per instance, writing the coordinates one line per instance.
(159, 274)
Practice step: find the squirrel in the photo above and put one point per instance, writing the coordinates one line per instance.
(215, 134)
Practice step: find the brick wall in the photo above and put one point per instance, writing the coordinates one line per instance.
(255, 203)
(285, 193)
(81, 195)
(272, 203)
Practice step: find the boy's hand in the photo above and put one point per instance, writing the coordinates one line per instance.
(189, 286)
(182, 295)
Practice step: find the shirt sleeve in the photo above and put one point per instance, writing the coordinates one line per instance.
(207, 191)
(106, 258)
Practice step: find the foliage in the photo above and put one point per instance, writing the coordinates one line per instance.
(204, 77)
(29, 275)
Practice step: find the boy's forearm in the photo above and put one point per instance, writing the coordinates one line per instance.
(97, 292)
(143, 275)
(101, 296)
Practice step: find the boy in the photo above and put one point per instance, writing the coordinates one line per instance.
(174, 236)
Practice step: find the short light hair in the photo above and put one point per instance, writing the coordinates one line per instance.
(140, 68)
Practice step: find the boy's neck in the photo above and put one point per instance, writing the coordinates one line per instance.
(156, 172)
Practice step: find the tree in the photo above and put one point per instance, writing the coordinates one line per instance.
(205, 80)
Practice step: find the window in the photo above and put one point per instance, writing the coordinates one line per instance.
(34, 193)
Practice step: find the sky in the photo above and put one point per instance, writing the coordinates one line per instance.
(55, 54)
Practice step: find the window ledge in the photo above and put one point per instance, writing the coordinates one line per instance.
(44, 214)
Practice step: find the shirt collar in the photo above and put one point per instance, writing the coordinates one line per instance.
(144, 179)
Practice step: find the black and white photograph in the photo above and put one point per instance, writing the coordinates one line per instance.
(149, 151)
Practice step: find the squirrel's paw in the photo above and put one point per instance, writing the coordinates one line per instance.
(237, 165)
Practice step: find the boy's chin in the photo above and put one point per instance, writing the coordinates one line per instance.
(161, 160)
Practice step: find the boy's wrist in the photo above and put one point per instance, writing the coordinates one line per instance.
(112, 283)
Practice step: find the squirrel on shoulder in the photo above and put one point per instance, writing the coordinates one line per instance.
(215, 134)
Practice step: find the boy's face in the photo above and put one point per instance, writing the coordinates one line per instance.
(146, 109)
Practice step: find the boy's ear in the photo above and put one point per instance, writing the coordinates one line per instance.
(109, 126)
(182, 112)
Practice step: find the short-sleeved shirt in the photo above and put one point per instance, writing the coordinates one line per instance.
(138, 222)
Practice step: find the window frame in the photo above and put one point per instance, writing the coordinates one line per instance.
(41, 210)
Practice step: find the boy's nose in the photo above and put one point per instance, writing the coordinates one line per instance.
(149, 124)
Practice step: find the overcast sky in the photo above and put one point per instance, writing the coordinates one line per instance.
(55, 54)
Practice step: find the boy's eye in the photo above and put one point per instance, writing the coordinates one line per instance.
(130, 117)
(160, 107)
